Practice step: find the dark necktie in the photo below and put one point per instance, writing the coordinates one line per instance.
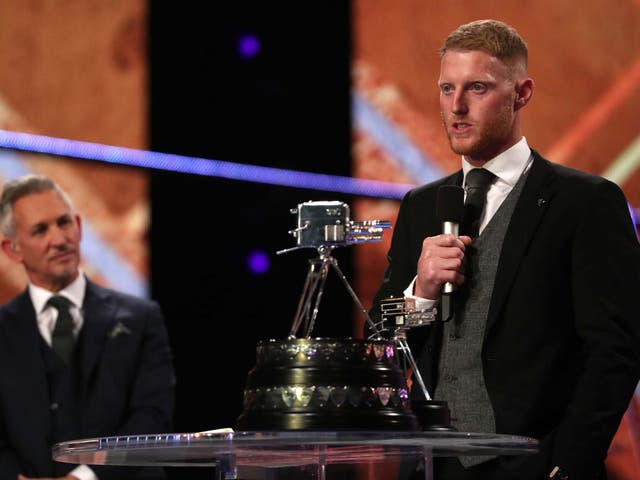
(477, 181)
(62, 337)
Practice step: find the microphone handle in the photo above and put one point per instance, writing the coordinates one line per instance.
(446, 300)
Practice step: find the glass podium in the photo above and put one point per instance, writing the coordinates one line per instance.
(279, 455)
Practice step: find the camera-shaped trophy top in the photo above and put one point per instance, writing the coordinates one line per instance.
(327, 225)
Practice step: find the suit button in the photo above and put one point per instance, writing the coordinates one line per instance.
(54, 406)
(450, 378)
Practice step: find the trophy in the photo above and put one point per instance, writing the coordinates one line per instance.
(307, 383)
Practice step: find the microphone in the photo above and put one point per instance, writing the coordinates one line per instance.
(449, 211)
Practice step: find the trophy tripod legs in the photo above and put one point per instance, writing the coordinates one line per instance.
(313, 290)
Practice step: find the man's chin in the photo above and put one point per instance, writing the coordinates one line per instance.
(66, 275)
(462, 147)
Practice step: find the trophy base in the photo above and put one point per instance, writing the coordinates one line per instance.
(329, 421)
(433, 415)
(326, 384)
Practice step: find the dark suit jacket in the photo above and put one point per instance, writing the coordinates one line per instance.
(561, 351)
(126, 382)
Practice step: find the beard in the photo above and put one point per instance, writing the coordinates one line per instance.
(491, 139)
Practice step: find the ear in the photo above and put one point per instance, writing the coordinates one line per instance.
(79, 223)
(11, 249)
(524, 92)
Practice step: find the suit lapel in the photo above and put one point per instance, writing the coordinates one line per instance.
(423, 220)
(529, 211)
(454, 179)
(99, 312)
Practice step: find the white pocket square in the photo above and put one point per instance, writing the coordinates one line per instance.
(118, 329)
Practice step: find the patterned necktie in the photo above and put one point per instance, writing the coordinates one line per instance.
(62, 340)
(477, 181)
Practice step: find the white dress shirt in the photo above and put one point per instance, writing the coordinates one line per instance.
(47, 315)
(508, 167)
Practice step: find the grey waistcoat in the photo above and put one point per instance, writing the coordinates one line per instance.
(460, 374)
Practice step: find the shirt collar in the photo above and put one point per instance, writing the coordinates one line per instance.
(509, 165)
(74, 292)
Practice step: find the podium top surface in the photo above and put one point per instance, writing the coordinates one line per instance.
(280, 448)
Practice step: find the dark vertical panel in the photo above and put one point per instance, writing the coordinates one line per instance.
(287, 108)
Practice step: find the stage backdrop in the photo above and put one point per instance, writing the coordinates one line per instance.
(585, 59)
(78, 70)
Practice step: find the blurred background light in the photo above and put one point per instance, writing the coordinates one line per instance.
(248, 46)
(258, 262)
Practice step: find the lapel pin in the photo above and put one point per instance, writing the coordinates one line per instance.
(541, 202)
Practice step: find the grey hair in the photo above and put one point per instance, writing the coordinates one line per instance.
(20, 187)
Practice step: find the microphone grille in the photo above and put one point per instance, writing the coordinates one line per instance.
(450, 203)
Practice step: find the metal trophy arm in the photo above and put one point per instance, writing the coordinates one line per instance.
(399, 314)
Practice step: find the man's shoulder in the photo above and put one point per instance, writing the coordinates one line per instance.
(565, 172)
(16, 304)
(17, 314)
(429, 190)
(98, 292)
(572, 184)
